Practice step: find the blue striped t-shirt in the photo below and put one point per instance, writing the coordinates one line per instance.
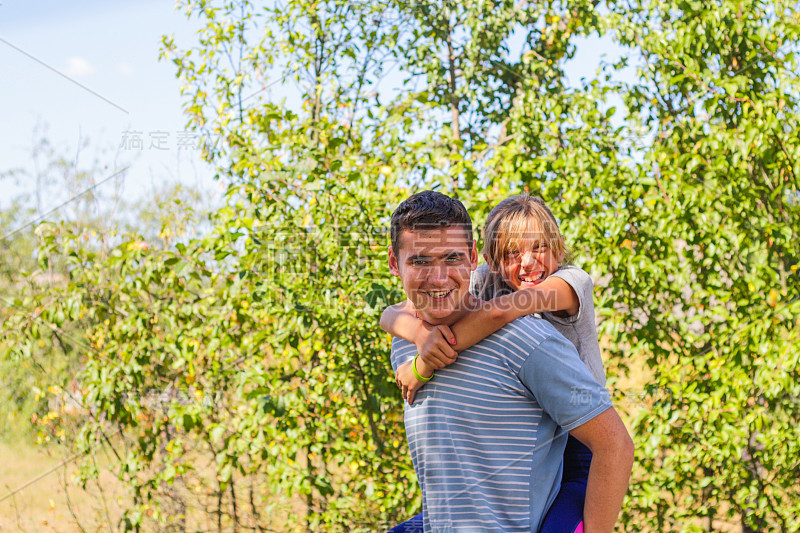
(487, 434)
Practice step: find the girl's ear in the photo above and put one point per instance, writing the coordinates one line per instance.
(563, 253)
(492, 267)
(473, 256)
(489, 264)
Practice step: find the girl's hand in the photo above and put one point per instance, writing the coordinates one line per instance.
(434, 345)
(406, 380)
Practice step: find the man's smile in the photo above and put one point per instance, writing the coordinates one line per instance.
(438, 294)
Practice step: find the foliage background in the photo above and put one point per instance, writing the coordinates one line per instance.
(231, 361)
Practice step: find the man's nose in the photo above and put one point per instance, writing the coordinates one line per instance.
(437, 274)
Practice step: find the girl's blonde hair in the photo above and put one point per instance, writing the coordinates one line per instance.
(515, 220)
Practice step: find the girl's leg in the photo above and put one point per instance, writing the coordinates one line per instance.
(410, 526)
(566, 513)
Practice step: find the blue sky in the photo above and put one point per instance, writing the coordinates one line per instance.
(111, 48)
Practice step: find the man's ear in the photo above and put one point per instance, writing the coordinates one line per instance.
(473, 256)
(394, 268)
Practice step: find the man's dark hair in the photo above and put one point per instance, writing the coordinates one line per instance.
(429, 210)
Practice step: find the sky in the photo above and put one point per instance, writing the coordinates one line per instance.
(89, 70)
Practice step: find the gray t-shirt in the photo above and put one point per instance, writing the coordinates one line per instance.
(487, 434)
(579, 329)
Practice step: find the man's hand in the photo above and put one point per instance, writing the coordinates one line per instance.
(406, 380)
(434, 346)
(612, 458)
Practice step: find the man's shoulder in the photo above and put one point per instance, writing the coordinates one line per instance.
(515, 343)
(534, 325)
(524, 333)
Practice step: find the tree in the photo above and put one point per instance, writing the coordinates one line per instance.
(256, 346)
(713, 289)
(52, 178)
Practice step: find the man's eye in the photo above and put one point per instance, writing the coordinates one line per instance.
(418, 262)
(453, 259)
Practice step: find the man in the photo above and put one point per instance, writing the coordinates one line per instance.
(487, 434)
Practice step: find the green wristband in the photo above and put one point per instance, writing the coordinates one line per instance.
(414, 369)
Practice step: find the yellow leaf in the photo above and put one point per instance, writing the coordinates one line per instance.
(772, 299)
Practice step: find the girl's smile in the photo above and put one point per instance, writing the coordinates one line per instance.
(527, 265)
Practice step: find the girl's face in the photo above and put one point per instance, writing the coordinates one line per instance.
(528, 264)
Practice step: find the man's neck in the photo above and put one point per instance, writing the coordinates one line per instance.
(467, 305)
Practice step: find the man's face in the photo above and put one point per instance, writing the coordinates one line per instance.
(434, 267)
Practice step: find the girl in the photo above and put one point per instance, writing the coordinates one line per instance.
(524, 274)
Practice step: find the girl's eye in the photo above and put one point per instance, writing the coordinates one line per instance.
(513, 252)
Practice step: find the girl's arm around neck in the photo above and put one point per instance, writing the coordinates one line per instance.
(553, 295)
(400, 321)
(434, 343)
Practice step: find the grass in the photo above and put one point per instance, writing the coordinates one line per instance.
(46, 499)
(39, 495)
